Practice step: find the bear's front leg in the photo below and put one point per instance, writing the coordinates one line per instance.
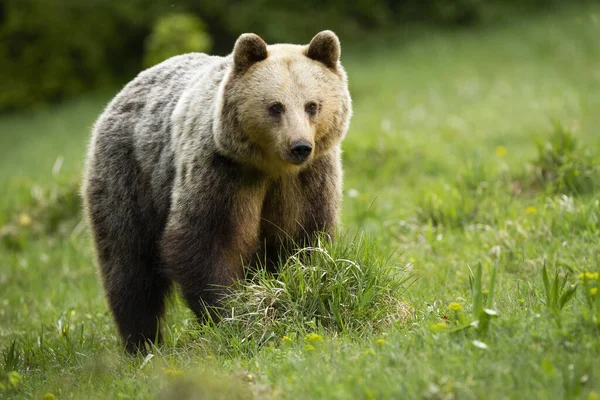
(211, 232)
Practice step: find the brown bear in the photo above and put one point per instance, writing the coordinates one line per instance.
(203, 165)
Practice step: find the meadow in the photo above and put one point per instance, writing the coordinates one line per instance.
(466, 265)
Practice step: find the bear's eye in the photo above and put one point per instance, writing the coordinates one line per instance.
(276, 109)
(311, 108)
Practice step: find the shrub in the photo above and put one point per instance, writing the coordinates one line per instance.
(53, 49)
(53, 210)
(562, 166)
(175, 34)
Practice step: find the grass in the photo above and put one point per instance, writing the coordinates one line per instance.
(467, 265)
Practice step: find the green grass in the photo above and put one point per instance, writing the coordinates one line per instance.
(466, 267)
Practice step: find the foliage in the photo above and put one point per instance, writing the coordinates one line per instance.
(482, 311)
(557, 296)
(54, 211)
(9, 378)
(482, 302)
(175, 34)
(50, 50)
(591, 282)
(563, 167)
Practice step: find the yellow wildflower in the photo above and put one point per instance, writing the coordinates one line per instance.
(500, 151)
(593, 291)
(313, 338)
(172, 371)
(588, 275)
(593, 396)
(24, 219)
(531, 210)
(380, 341)
(440, 326)
(454, 306)
(49, 396)
(286, 339)
(309, 347)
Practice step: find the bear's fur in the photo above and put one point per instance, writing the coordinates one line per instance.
(204, 164)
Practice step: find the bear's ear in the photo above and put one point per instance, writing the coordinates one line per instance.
(325, 47)
(248, 49)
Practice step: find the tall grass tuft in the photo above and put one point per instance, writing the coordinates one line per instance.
(556, 292)
(347, 286)
(563, 166)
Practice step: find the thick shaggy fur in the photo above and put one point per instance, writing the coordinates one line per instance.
(189, 175)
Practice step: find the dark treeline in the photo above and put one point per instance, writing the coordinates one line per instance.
(50, 49)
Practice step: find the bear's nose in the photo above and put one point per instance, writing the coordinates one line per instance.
(300, 150)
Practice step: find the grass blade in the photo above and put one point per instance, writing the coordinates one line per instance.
(490, 299)
(546, 282)
(477, 293)
(567, 295)
(554, 293)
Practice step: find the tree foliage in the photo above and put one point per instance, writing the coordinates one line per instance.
(50, 49)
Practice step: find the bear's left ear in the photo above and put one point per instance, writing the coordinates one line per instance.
(325, 47)
(248, 49)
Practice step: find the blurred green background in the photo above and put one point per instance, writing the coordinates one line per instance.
(52, 49)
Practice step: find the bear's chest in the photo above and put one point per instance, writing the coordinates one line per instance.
(283, 210)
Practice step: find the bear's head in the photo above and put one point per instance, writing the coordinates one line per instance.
(282, 106)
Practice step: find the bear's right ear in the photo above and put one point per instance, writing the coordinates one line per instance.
(248, 49)
(325, 47)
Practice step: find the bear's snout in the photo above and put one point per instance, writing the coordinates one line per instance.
(300, 151)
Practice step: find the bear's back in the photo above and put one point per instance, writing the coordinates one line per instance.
(135, 128)
(144, 106)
